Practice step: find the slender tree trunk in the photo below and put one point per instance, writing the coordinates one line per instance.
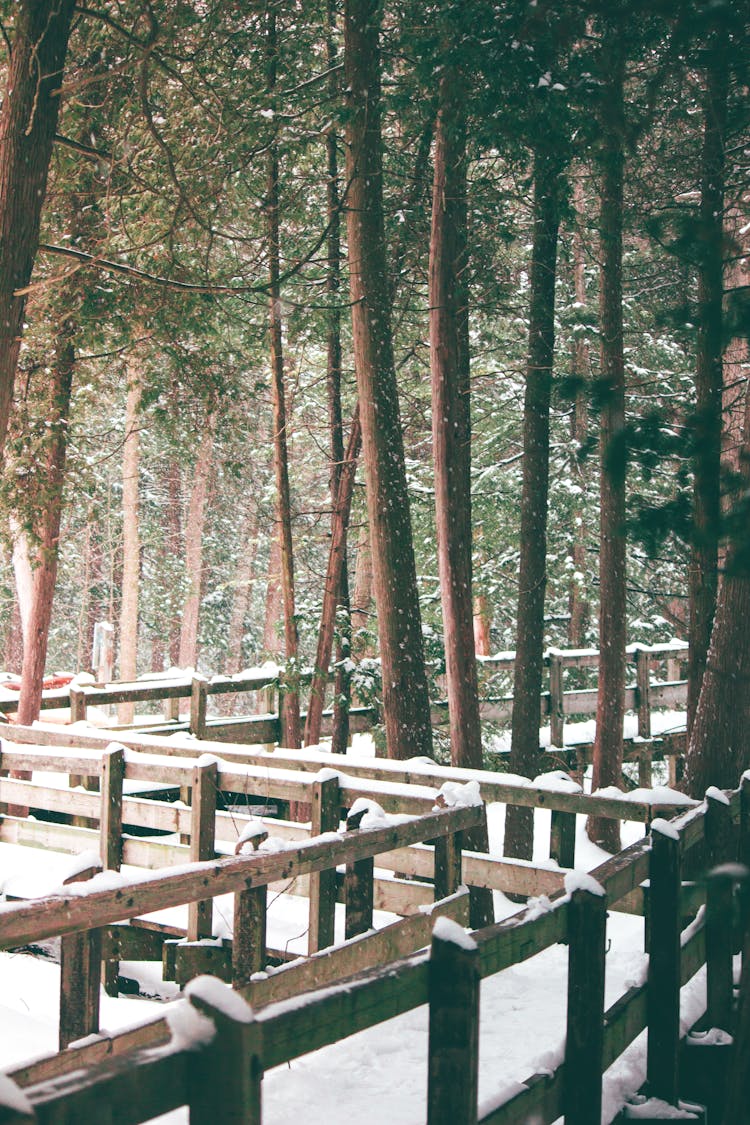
(709, 378)
(532, 575)
(406, 704)
(45, 572)
(612, 569)
(173, 546)
(482, 625)
(28, 122)
(451, 421)
(361, 599)
(719, 742)
(131, 538)
(13, 647)
(196, 521)
(242, 588)
(332, 588)
(580, 611)
(23, 576)
(292, 733)
(271, 640)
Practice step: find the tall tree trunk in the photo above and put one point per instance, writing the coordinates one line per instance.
(173, 542)
(131, 538)
(612, 568)
(719, 741)
(703, 572)
(28, 122)
(532, 574)
(242, 588)
(291, 732)
(451, 420)
(45, 571)
(406, 704)
(580, 611)
(361, 598)
(332, 587)
(196, 521)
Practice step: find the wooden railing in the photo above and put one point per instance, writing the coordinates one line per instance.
(643, 696)
(147, 1069)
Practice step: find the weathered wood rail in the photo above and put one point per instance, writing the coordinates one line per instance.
(643, 696)
(144, 1071)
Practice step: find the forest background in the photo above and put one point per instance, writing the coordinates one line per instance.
(241, 240)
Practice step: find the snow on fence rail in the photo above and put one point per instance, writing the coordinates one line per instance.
(645, 695)
(121, 1068)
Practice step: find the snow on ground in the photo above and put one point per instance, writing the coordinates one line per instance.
(383, 1071)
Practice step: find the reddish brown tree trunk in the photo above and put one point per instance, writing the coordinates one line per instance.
(406, 705)
(612, 569)
(131, 539)
(532, 573)
(709, 376)
(28, 121)
(580, 611)
(45, 571)
(292, 731)
(196, 521)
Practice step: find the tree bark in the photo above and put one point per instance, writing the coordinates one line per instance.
(28, 122)
(196, 521)
(131, 539)
(709, 376)
(406, 706)
(532, 576)
(45, 571)
(612, 567)
(580, 610)
(242, 587)
(291, 733)
(451, 420)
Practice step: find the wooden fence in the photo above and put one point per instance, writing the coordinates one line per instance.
(644, 695)
(145, 1071)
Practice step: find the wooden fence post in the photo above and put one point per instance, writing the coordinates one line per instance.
(453, 1064)
(358, 891)
(80, 971)
(249, 934)
(720, 945)
(448, 862)
(587, 938)
(202, 841)
(744, 843)
(719, 830)
(78, 705)
(643, 690)
(663, 988)
(556, 699)
(225, 1076)
(326, 807)
(562, 838)
(198, 706)
(111, 776)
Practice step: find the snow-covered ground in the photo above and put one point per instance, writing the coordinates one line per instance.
(383, 1071)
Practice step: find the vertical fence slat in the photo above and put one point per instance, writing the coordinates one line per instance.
(202, 841)
(249, 934)
(663, 990)
(322, 893)
(719, 947)
(359, 890)
(562, 838)
(587, 934)
(224, 1078)
(718, 828)
(448, 863)
(454, 1027)
(80, 972)
(198, 706)
(111, 774)
(643, 690)
(556, 699)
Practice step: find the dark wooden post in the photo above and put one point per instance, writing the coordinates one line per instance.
(249, 934)
(663, 989)
(562, 839)
(737, 1105)
(80, 971)
(744, 844)
(78, 705)
(326, 808)
(225, 1076)
(454, 1026)
(718, 828)
(111, 775)
(448, 862)
(556, 699)
(587, 936)
(643, 690)
(202, 841)
(198, 706)
(358, 890)
(719, 945)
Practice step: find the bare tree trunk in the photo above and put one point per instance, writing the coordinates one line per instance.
(45, 572)
(13, 649)
(271, 640)
(612, 567)
(23, 576)
(291, 732)
(28, 122)
(580, 611)
(361, 599)
(709, 376)
(242, 588)
(406, 704)
(196, 520)
(131, 539)
(482, 625)
(532, 574)
(332, 588)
